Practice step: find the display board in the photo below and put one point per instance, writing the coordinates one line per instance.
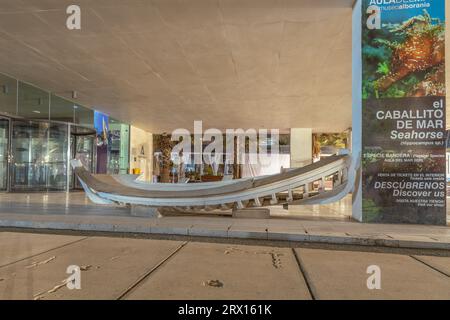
(101, 124)
(403, 111)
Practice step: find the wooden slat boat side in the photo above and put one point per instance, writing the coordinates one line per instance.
(107, 184)
(103, 185)
(296, 172)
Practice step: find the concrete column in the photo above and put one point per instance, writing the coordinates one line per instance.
(141, 152)
(301, 147)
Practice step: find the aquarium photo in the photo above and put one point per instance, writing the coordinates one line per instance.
(406, 56)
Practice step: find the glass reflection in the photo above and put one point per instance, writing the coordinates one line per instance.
(39, 156)
(33, 102)
(4, 139)
(82, 145)
(118, 155)
(8, 95)
(84, 117)
(61, 109)
(57, 157)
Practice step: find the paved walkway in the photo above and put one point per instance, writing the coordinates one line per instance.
(33, 266)
(77, 203)
(338, 232)
(323, 224)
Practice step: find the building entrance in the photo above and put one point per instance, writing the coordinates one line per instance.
(83, 148)
(35, 154)
(4, 153)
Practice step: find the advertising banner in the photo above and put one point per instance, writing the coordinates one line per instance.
(403, 115)
(101, 124)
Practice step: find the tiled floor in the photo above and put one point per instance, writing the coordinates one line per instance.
(42, 198)
(78, 203)
(56, 203)
(341, 210)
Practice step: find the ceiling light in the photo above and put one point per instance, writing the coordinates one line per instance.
(36, 111)
(74, 94)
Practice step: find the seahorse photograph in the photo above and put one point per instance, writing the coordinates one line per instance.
(405, 59)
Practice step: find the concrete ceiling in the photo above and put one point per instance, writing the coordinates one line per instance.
(161, 64)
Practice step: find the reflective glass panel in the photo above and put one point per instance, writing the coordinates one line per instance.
(56, 160)
(4, 140)
(8, 95)
(84, 117)
(118, 153)
(61, 109)
(33, 102)
(29, 151)
(39, 156)
(82, 146)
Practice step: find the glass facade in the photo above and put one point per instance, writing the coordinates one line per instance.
(82, 146)
(41, 132)
(39, 155)
(8, 96)
(4, 146)
(84, 117)
(33, 103)
(61, 109)
(118, 147)
(57, 156)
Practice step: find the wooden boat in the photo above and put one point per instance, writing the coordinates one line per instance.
(290, 187)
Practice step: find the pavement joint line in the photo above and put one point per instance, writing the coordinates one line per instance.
(311, 238)
(430, 266)
(45, 251)
(149, 272)
(304, 273)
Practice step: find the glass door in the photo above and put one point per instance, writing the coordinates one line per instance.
(38, 156)
(82, 146)
(4, 153)
(29, 155)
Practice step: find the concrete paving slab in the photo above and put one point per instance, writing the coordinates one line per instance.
(112, 265)
(16, 246)
(399, 236)
(132, 227)
(419, 241)
(245, 272)
(248, 232)
(248, 229)
(440, 263)
(171, 227)
(251, 213)
(245, 222)
(95, 226)
(58, 222)
(373, 239)
(411, 229)
(287, 234)
(332, 237)
(342, 275)
(189, 219)
(292, 230)
(209, 230)
(291, 223)
(123, 224)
